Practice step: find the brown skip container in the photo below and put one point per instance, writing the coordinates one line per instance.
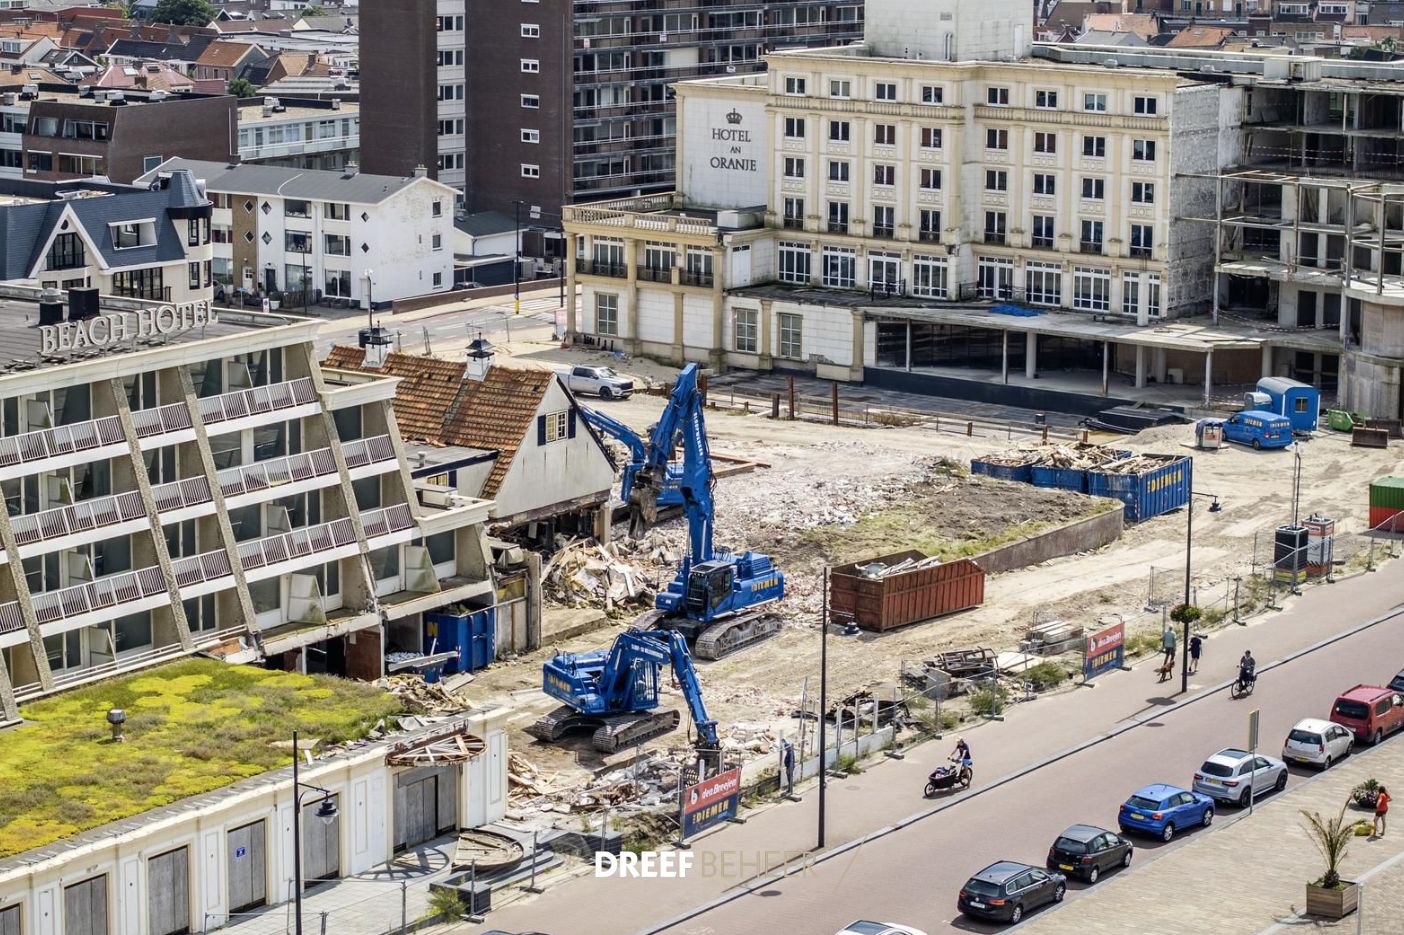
(880, 604)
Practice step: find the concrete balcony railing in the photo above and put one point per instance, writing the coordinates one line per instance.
(390, 519)
(11, 618)
(196, 569)
(62, 521)
(260, 553)
(193, 491)
(149, 423)
(364, 451)
(63, 440)
(276, 472)
(257, 401)
(99, 594)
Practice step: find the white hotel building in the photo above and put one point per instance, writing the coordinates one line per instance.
(869, 212)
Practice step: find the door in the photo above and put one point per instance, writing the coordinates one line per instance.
(418, 821)
(480, 633)
(85, 907)
(248, 877)
(168, 892)
(321, 844)
(10, 920)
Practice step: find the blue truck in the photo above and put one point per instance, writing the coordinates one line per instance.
(1300, 402)
(1258, 428)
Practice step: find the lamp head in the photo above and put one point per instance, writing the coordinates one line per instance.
(327, 810)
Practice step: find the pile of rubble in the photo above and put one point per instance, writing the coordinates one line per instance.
(584, 573)
(1078, 455)
(423, 697)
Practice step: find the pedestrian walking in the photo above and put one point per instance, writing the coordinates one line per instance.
(1381, 810)
(1168, 642)
(1196, 645)
(787, 761)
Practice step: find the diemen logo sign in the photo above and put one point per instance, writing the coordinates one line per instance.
(124, 327)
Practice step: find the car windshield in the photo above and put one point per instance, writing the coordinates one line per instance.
(1069, 846)
(1352, 709)
(1216, 769)
(982, 888)
(1140, 801)
(607, 372)
(1304, 736)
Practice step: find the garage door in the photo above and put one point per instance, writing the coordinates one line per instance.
(85, 907)
(321, 844)
(10, 920)
(247, 875)
(426, 804)
(168, 892)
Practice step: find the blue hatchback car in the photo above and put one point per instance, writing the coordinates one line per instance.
(1162, 810)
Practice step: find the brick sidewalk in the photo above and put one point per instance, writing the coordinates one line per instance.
(1248, 877)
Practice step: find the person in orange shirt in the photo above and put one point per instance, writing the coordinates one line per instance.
(1381, 810)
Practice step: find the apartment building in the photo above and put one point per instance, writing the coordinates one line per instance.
(567, 101)
(181, 478)
(868, 214)
(367, 239)
(301, 134)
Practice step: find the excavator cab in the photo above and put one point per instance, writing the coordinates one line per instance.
(709, 586)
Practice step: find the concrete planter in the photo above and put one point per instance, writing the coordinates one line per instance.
(1332, 903)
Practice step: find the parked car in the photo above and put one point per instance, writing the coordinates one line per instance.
(1087, 851)
(1161, 810)
(1371, 712)
(1397, 683)
(603, 382)
(862, 927)
(1005, 891)
(1259, 428)
(1234, 775)
(1317, 742)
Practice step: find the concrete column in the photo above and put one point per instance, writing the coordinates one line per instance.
(766, 327)
(909, 347)
(630, 333)
(572, 325)
(1267, 359)
(1159, 364)
(1003, 354)
(533, 598)
(1106, 368)
(15, 569)
(678, 352)
(1208, 374)
(9, 710)
(1030, 355)
(1140, 366)
(719, 268)
(855, 367)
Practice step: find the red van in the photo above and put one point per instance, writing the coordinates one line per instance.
(1370, 712)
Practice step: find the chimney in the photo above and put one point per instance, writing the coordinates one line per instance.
(420, 172)
(480, 354)
(350, 171)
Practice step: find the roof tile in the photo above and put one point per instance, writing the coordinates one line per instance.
(497, 412)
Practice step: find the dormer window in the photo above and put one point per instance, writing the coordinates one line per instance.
(128, 234)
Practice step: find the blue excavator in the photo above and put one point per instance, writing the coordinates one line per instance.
(638, 457)
(614, 692)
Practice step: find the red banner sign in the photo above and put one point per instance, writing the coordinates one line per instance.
(710, 801)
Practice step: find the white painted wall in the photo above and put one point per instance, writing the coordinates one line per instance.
(722, 164)
(949, 30)
(655, 315)
(697, 322)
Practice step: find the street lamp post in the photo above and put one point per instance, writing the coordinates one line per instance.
(326, 811)
(370, 300)
(823, 701)
(1214, 507)
(516, 256)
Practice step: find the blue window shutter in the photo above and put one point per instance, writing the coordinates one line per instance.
(541, 430)
(570, 424)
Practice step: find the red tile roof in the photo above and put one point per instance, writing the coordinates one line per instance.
(427, 392)
(497, 412)
(345, 357)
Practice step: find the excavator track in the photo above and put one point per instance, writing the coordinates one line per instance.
(628, 730)
(735, 634)
(564, 720)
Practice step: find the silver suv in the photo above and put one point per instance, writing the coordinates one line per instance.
(603, 382)
(1233, 775)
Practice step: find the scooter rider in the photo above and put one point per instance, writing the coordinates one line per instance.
(1247, 669)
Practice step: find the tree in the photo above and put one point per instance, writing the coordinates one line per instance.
(313, 9)
(184, 12)
(242, 87)
(1332, 837)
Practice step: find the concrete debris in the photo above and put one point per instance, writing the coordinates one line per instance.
(1077, 455)
(1138, 464)
(586, 574)
(424, 697)
(881, 570)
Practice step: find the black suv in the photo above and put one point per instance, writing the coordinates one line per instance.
(1006, 890)
(1087, 851)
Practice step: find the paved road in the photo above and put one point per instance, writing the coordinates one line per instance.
(496, 322)
(912, 875)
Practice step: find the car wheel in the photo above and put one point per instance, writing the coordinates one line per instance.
(1059, 893)
(1167, 832)
(606, 393)
(1126, 858)
(1017, 914)
(1281, 782)
(1208, 818)
(1379, 736)
(1257, 445)
(1327, 764)
(1244, 798)
(1094, 874)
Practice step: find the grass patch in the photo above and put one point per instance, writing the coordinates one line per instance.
(1139, 644)
(986, 702)
(192, 726)
(1047, 674)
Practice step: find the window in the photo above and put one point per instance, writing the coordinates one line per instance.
(66, 253)
(838, 267)
(931, 94)
(794, 262)
(1143, 150)
(139, 283)
(1044, 283)
(1142, 240)
(1046, 100)
(931, 179)
(794, 213)
(885, 91)
(1130, 293)
(336, 245)
(1043, 231)
(338, 212)
(999, 97)
(794, 85)
(794, 128)
(1091, 289)
(791, 335)
(531, 101)
(840, 87)
(1045, 143)
(530, 171)
(1095, 102)
(1142, 193)
(838, 131)
(838, 170)
(996, 180)
(930, 225)
(885, 134)
(884, 174)
(930, 137)
(1145, 106)
(1091, 237)
(838, 217)
(194, 270)
(530, 66)
(554, 426)
(1094, 188)
(1044, 184)
(745, 330)
(929, 276)
(297, 241)
(794, 167)
(531, 31)
(885, 272)
(995, 277)
(530, 136)
(884, 224)
(606, 313)
(151, 163)
(133, 234)
(197, 231)
(994, 226)
(996, 139)
(1094, 147)
(436, 242)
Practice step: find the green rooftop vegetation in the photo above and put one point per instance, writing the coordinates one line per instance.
(192, 726)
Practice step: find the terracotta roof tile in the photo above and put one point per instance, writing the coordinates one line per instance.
(345, 357)
(497, 412)
(427, 392)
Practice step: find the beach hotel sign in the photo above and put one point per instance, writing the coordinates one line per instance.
(121, 328)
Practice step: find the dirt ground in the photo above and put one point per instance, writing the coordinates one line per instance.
(841, 493)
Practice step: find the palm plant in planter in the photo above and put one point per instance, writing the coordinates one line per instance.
(1330, 896)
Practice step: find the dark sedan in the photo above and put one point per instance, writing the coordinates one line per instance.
(1087, 851)
(1007, 890)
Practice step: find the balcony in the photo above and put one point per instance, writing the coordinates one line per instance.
(928, 236)
(697, 278)
(654, 274)
(366, 451)
(600, 268)
(1090, 246)
(276, 472)
(884, 231)
(88, 515)
(198, 569)
(838, 227)
(257, 401)
(63, 440)
(99, 594)
(792, 224)
(150, 423)
(994, 237)
(299, 543)
(387, 521)
(180, 494)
